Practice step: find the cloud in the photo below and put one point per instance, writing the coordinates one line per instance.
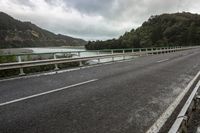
(92, 19)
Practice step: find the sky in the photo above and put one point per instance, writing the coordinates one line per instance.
(93, 19)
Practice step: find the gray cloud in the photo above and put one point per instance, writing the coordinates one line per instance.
(93, 19)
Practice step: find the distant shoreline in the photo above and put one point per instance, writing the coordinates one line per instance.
(29, 50)
(15, 51)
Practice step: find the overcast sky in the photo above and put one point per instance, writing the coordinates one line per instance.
(93, 19)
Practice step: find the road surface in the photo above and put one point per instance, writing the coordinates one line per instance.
(122, 97)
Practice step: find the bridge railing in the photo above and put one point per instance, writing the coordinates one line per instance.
(185, 115)
(75, 56)
(82, 52)
(179, 114)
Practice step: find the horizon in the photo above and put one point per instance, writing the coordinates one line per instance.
(93, 19)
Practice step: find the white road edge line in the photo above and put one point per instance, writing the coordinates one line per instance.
(179, 119)
(155, 128)
(47, 92)
(162, 60)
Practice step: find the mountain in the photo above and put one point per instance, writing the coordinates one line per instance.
(181, 29)
(17, 34)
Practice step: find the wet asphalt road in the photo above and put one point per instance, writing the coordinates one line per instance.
(122, 97)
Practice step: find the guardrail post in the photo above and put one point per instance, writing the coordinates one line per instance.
(80, 64)
(56, 65)
(132, 50)
(113, 59)
(113, 56)
(157, 50)
(140, 51)
(79, 54)
(21, 70)
(147, 51)
(123, 55)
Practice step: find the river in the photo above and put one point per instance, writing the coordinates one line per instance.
(83, 53)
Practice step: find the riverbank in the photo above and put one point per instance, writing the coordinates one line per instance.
(15, 51)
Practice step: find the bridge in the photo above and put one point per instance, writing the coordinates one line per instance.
(135, 95)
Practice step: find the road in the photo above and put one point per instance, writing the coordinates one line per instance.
(121, 97)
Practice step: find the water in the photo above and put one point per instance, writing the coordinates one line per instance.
(52, 50)
(83, 53)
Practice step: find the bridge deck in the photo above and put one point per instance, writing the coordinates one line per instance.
(119, 97)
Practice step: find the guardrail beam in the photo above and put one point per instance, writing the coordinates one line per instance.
(55, 61)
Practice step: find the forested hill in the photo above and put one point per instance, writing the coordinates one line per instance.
(17, 34)
(160, 30)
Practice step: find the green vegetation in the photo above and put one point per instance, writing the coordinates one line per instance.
(17, 34)
(29, 70)
(181, 29)
(7, 59)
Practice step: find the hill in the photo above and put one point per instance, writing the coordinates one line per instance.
(17, 34)
(181, 29)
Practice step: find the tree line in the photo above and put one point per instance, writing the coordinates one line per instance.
(178, 29)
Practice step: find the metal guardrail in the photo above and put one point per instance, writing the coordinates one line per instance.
(181, 123)
(78, 52)
(167, 115)
(131, 52)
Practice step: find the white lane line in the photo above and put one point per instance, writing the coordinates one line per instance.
(47, 92)
(162, 60)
